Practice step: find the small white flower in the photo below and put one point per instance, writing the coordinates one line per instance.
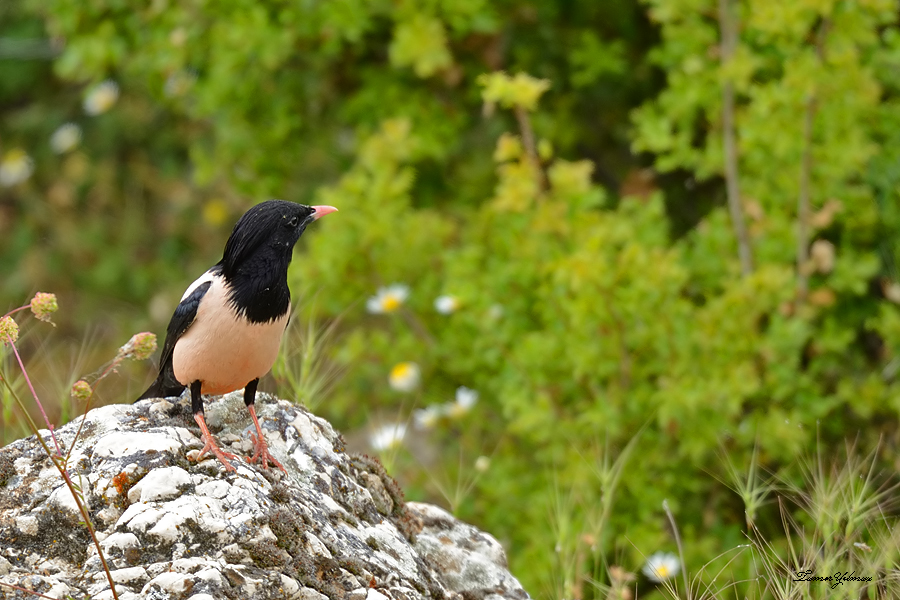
(65, 138)
(15, 167)
(446, 304)
(465, 397)
(405, 377)
(482, 464)
(101, 98)
(428, 417)
(661, 566)
(465, 400)
(388, 436)
(388, 299)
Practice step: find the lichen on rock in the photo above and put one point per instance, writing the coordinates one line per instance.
(335, 526)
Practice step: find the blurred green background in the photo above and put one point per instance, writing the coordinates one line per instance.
(576, 217)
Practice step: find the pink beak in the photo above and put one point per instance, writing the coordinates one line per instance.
(321, 211)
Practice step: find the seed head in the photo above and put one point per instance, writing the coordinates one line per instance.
(81, 390)
(9, 330)
(43, 305)
(140, 347)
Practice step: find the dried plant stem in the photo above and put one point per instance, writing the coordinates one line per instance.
(687, 587)
(58, 460)
(35, 396)
(418, 326)
(87, 405)
(729, 141)
(27, 591)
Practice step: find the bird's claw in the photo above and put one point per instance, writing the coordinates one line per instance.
(261, 453)
(224, 457)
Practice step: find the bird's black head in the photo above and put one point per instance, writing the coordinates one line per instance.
(268, 232)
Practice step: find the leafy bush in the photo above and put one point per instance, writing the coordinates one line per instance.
(481, 153)
(579, 327)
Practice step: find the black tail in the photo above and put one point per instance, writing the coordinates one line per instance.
(165, 385)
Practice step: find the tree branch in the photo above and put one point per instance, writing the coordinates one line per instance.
(727, 46)
(803, 212)
(530, 145)
(803, 198)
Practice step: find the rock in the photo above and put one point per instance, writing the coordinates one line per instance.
(159, 484)
(334, 527)
(469, 560)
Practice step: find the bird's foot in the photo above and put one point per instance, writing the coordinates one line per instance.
(209, 445)
(261, 452)
(224, 457)
(260, 447)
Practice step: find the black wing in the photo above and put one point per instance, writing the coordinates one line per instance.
(166, 385)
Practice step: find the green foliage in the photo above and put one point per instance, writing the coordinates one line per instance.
(592, 322)
(586, 301)
(421, 42)
(521, 90)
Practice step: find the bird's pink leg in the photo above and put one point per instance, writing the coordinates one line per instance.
(261, 449)
(210, 444)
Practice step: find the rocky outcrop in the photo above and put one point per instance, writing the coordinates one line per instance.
(335, 526)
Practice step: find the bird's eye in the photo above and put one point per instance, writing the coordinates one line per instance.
(295, 220)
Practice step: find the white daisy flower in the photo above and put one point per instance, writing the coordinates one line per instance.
(65, 138)
(446, 304)
(428, 417)
(101, 97)
(465, 400)
(405, 377)
(466, 397)
(387, 436)
(15, 167)
(388, 299)
(661, 566)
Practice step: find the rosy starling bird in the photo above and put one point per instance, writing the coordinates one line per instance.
(226, 330)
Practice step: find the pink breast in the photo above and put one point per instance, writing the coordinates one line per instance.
(223, 351)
